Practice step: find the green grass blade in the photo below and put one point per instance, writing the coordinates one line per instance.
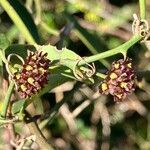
(22, 19)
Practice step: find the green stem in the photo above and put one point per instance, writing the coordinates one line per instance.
(7, 99)
(100, 75)
(142, 4)
(120, 49)
(17, 20)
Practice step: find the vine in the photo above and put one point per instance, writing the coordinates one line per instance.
(63, 63)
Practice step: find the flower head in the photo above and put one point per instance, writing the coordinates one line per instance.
(120, 80)
(34, 74)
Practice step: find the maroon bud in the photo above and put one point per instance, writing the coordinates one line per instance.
(120, 80)
(34, 74)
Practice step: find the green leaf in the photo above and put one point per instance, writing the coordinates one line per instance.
(18, 106)
(20, 50)
(55, 54)
(65, 57)
(23, 20)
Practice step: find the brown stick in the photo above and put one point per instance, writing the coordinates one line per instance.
(34, 129)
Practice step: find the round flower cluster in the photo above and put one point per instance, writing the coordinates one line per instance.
(34, 74)
(120, 80)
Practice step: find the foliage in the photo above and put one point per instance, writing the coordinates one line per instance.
(66, 52)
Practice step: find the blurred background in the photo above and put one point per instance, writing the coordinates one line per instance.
(88, 120)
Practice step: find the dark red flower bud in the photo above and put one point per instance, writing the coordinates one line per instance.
(34, 74)
(120, 80)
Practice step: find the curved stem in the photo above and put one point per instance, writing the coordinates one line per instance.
(120, 49)
(7, 99)
(142, 4)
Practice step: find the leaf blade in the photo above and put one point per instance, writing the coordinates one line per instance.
(22, 19)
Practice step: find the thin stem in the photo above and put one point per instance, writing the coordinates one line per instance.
(120, 49)
(7, 99)
(100, 75)
(142, 4)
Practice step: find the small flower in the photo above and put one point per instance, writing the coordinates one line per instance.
(34, 74)
(120, 80)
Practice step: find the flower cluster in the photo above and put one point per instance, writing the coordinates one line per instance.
(34, 74)
(120, 80)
